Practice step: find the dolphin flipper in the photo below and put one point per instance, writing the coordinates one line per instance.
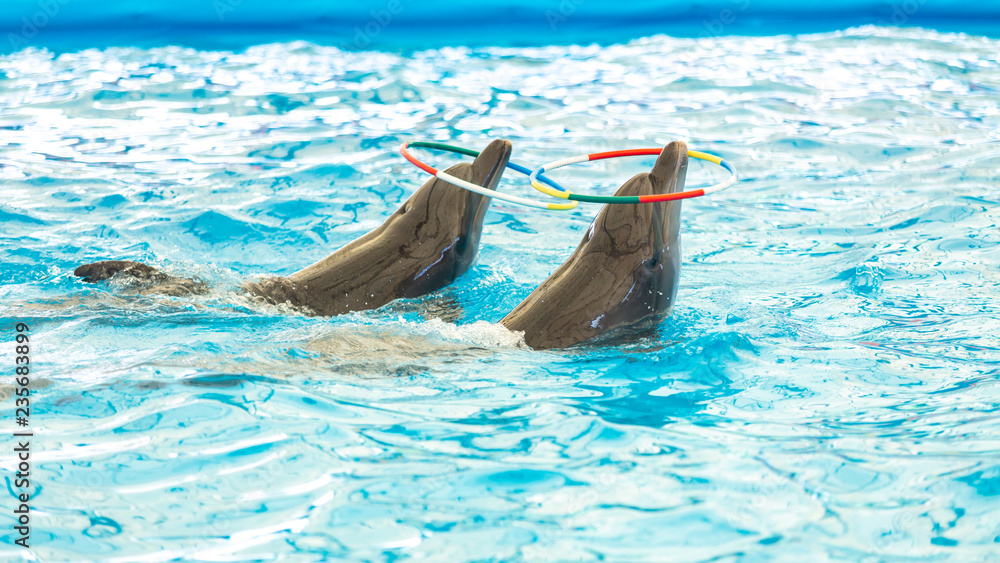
(100, 271)
(143, 278)
(626, 268)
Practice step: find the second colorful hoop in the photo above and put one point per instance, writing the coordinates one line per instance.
(555, 190)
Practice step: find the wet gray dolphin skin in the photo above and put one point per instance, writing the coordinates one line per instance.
(424, 246)
(150, 280)
(431, 240)
(625, 270)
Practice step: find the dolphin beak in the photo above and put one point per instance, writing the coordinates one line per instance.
(670, 170)
(489, 166)
(487, 170)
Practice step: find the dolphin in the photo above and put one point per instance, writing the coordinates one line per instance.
(626, 268)
(431, 240)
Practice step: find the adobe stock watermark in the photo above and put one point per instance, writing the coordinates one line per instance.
(566, 9)
(31, 25)
(601, 487)
(902, 12)
(364, 35)
(717, 26)
(223, 7)
(760, 501)
(903, 523)
(270, 475)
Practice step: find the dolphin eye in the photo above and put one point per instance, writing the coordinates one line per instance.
(654, 260)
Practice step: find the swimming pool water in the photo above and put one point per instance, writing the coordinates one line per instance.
(825, 388)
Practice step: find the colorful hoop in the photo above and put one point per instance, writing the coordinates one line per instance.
(558, 191)
(479, 189)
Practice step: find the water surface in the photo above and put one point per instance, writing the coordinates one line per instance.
(825, 388)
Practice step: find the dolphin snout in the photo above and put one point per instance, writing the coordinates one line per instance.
(489, 165)
(670, 170)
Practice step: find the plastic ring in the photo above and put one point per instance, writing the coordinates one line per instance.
(479, 189)
(554, 190)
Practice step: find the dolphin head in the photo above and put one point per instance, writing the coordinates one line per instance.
(644, 228)
(626, 268)
(646, 235)
(440, 212)
(442, 223)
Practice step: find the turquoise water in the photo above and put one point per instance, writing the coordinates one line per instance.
(825, 388)
(69, 25)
